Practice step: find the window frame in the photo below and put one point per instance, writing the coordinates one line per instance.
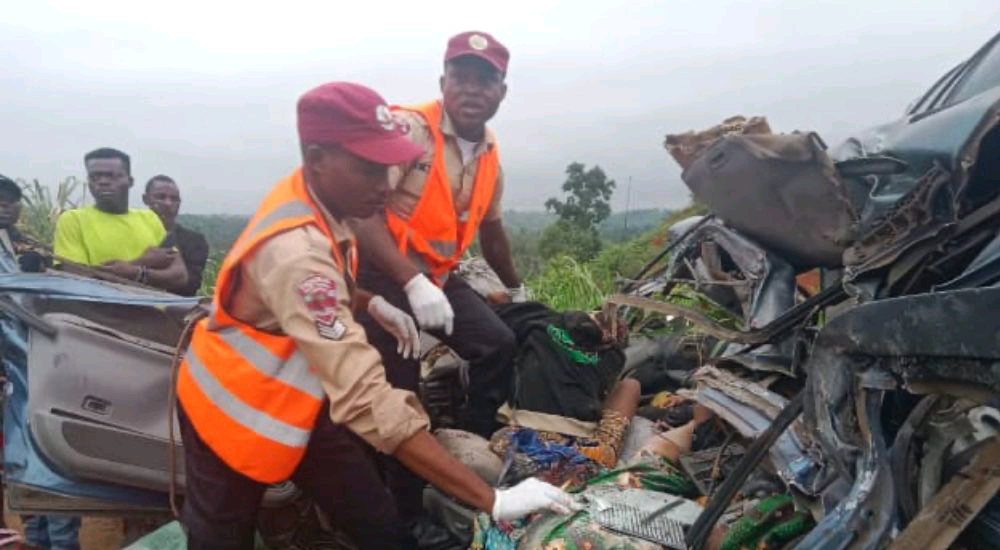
(993, 46)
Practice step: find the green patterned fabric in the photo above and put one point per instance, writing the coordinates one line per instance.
(770, 524)
(566, 343)
(579, 531)
(654, 473)
(783, 533)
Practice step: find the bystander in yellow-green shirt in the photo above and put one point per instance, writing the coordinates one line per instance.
(94, 237)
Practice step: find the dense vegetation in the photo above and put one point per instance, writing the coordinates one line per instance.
(525, 230)
(568, 260)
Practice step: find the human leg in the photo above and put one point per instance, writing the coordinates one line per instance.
(339, 473)
(488, 344)
(220, 504)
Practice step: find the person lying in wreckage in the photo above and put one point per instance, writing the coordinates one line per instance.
(574, 419)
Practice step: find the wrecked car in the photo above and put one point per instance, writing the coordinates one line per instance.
(873, 399)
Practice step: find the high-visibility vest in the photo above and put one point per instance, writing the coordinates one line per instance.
(250, 394)
(433, 237)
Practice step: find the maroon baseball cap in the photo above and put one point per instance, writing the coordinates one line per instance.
(479, 44)
(357, 119)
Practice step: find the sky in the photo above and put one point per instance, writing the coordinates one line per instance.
(205, 91)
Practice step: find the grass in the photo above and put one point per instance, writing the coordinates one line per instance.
(211, 273)
(566, 284)
(40, 208)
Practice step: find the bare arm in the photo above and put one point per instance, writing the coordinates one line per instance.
(389, 419)
(378, 246)
(170, 275)
(422, 454)
(496, 251)
(173, 278)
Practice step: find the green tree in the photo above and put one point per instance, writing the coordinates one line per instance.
(586, 205)
(588, 195)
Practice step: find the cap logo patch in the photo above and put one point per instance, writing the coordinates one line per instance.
(401, 123)
(478, 42)
(384, 118)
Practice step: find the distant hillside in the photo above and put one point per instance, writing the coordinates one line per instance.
(622, 226)
(613, 229)
(222, 229)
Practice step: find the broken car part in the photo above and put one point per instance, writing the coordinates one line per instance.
(698, 534)
(751, 408)
(940, 522)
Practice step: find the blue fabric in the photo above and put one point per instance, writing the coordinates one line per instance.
(526, 441)
(55, 532)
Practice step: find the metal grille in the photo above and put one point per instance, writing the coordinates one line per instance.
(632, 521)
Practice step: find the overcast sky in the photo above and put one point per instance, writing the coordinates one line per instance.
(205, 91)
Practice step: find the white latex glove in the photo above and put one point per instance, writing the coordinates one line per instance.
(397, 323)
(531, 495)
(429, 304)
(518, 295)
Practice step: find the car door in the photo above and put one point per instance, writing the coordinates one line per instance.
(89, 368)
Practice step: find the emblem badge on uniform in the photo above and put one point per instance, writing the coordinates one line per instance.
(385, 118)
(320, 296)
(478, 42)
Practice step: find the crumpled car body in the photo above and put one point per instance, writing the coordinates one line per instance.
(896, 356)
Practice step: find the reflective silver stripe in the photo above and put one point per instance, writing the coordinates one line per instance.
(290, 209)
(444, 248)
(256, 421)
(295, 371)
(421, 263)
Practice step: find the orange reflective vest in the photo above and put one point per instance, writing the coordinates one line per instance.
(251, 395)
(433, 237)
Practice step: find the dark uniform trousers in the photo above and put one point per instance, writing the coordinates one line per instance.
(479, 337)
(338, 472)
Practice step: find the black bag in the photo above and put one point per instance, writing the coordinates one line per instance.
(562, 366)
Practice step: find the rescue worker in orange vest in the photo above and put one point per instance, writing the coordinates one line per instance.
(439, 204)
(279, 381)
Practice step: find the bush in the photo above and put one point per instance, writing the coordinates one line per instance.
(566, 284)
(580, 276)
(211, 273)
(565, 238)
(40, 210)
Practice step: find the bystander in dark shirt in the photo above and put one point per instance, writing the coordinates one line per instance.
(194, 250)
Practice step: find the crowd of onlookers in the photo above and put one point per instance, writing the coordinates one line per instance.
(108, 239)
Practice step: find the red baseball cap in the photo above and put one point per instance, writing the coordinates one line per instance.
(356, 118)
(479, 44)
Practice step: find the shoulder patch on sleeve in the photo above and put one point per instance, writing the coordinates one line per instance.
(319, 293)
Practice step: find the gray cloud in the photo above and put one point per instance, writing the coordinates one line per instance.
(205, 91)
